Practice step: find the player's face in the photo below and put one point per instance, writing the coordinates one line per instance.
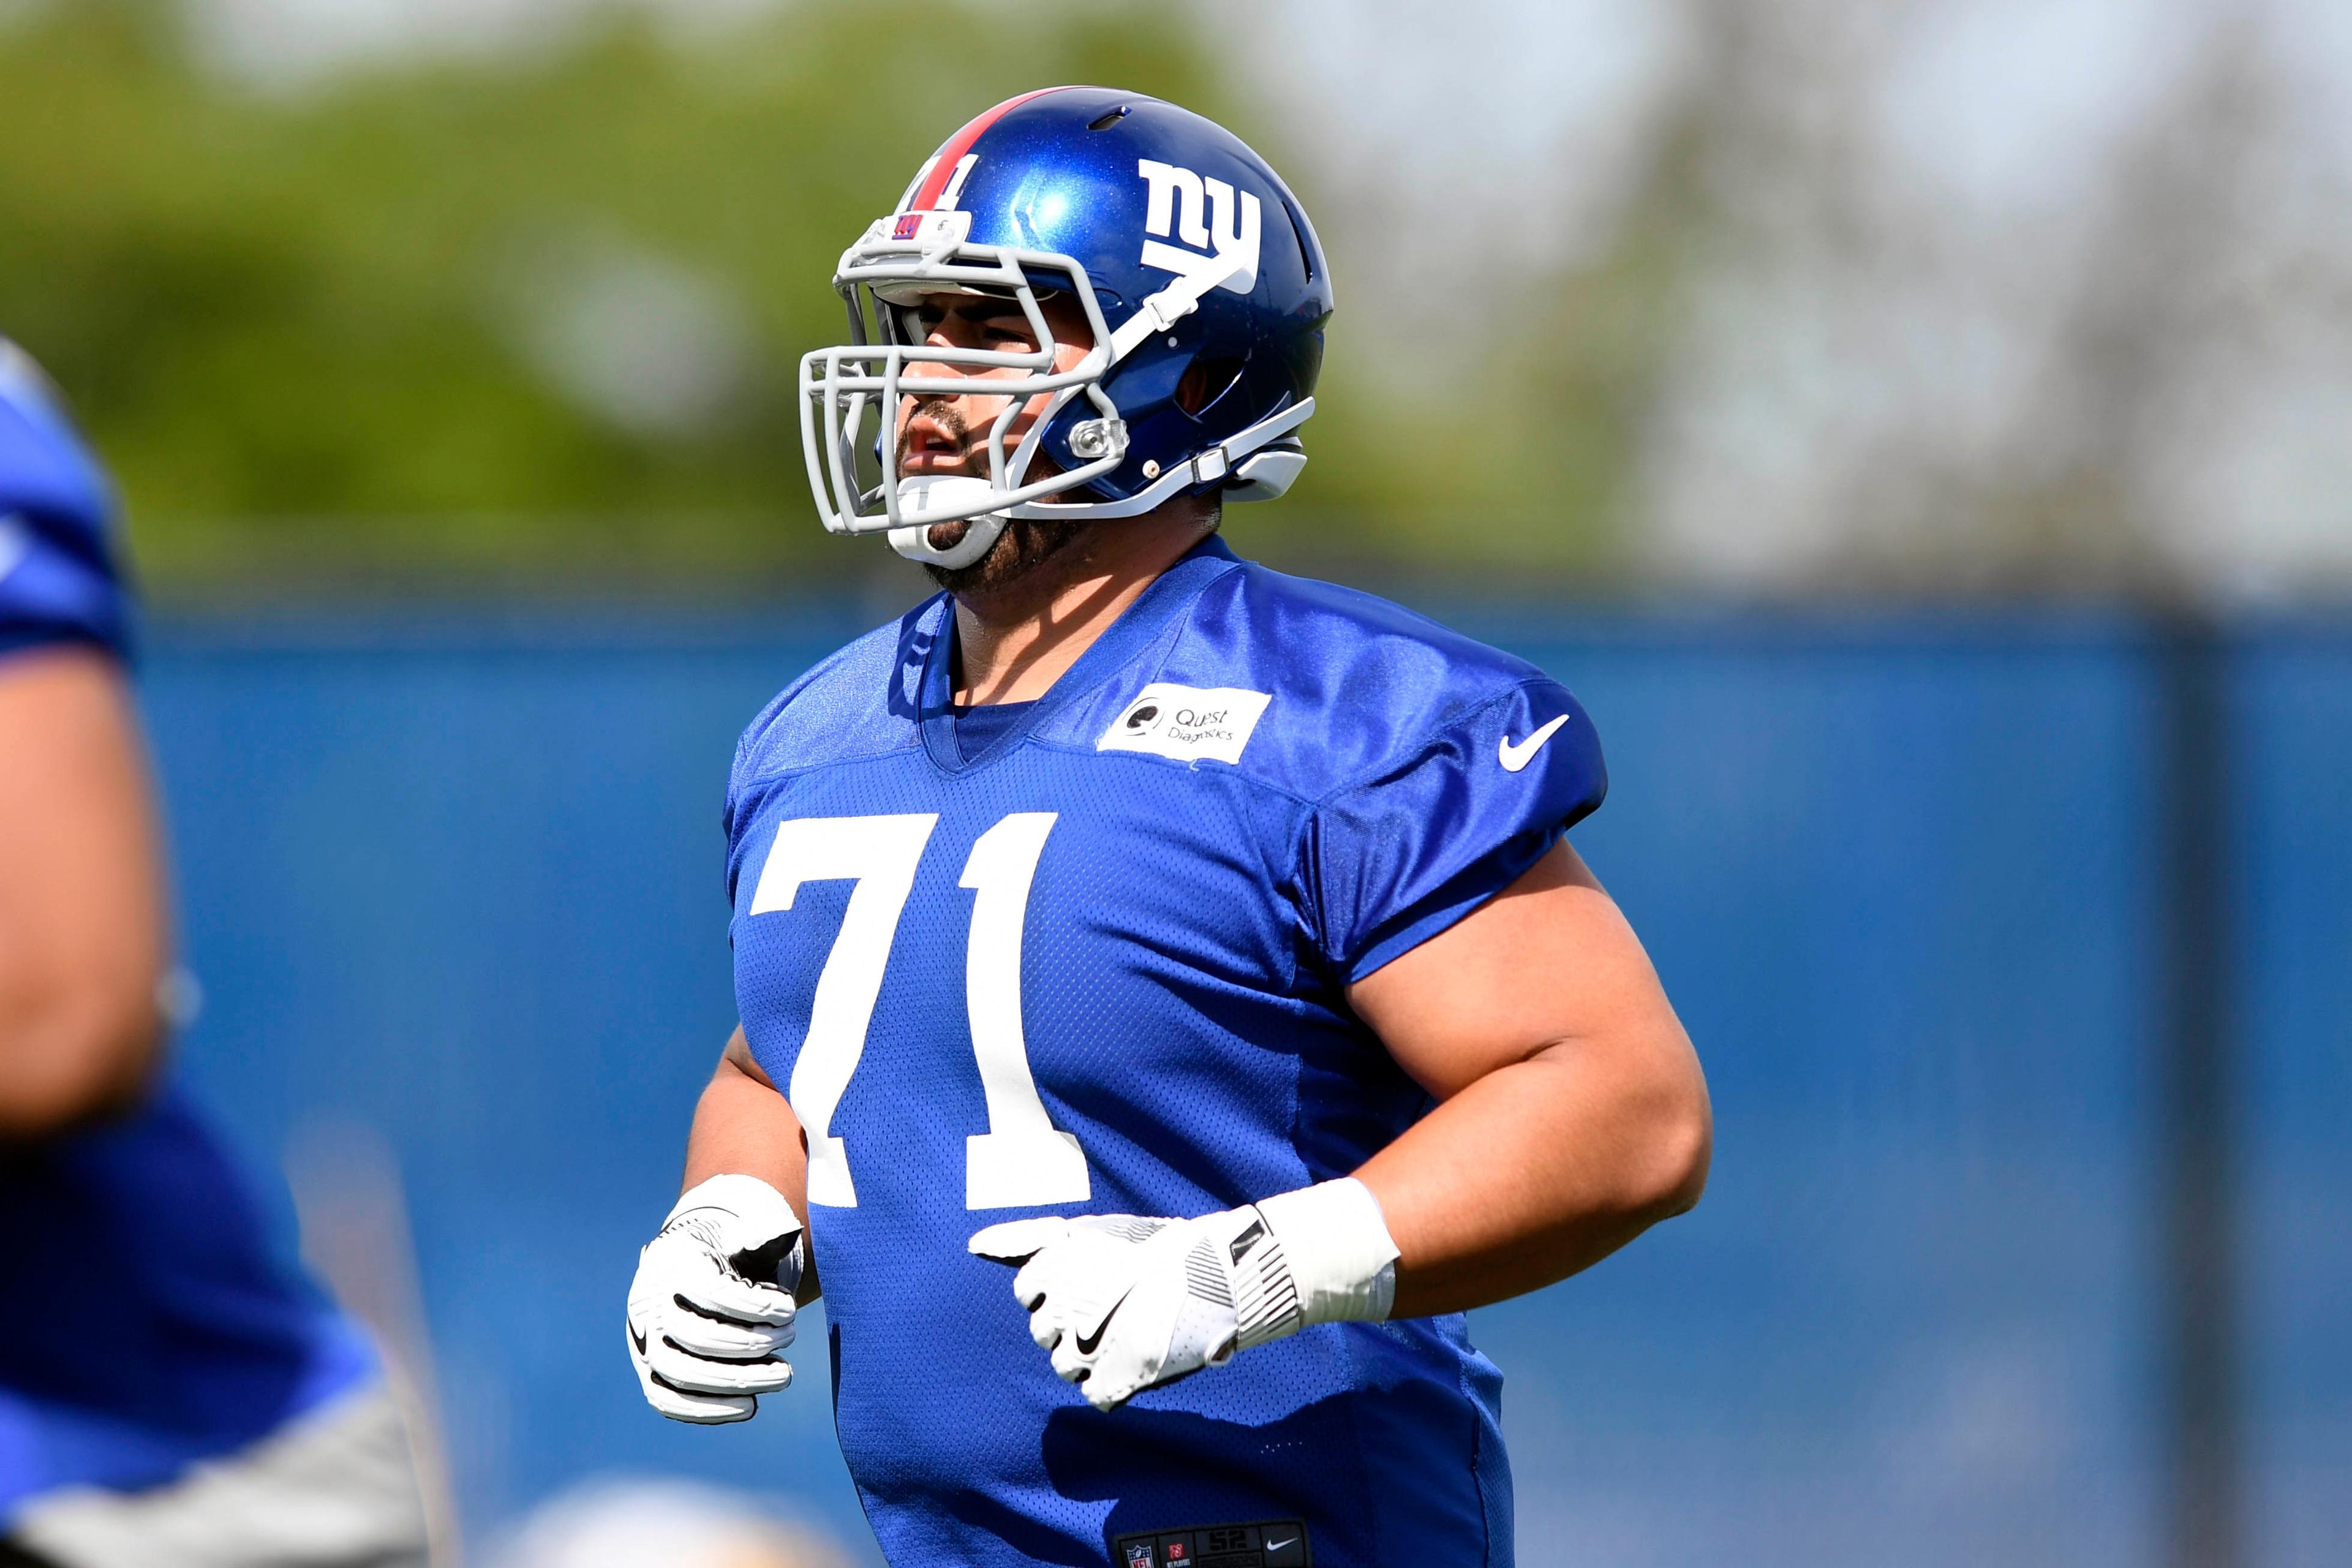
(951, 435)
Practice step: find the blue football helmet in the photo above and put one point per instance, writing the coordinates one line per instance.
(1186, 253)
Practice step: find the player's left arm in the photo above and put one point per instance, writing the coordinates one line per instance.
(1571, 1117)
(1572, 1114)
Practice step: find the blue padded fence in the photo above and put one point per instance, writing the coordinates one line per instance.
(454, 884)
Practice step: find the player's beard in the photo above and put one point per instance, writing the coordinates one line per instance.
(1026, 544)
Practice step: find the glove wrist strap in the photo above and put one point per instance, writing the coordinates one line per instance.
(1340, 1258)
(1265, 1293)
(747, 1223)
(761, 1208)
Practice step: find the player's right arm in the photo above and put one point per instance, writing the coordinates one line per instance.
(82, 907)
(712, 1308)
(743, 1126)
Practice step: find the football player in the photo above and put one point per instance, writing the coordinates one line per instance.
(167, 1395)
(1149, 964)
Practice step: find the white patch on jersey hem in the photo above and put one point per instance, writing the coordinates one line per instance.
(1187, 723)
(15, 543)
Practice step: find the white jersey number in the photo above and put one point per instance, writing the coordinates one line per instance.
(1022, 1159)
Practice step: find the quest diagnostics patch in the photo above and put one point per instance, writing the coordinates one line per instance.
(1187, 723)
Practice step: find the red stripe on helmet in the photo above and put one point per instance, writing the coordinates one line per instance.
(943, 166)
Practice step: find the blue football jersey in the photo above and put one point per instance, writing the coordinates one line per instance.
(57, 576)
(144, 1325)
(1095, 962)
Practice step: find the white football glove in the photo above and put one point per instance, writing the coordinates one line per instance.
(1126, 1303)
(711, 1308)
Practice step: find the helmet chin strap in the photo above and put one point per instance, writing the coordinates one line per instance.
(919, 493)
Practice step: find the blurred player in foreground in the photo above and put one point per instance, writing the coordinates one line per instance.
(168, 1398)
(616, 1522)
(1195, 949)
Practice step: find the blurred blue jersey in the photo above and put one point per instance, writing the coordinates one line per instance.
(144, 1325)
(59, 581)
(1096, 962)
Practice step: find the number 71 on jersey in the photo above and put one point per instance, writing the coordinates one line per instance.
(1022, 1159)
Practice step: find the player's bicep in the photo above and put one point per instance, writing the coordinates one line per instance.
(738, 1055)
(81, 907)
(1549, 963)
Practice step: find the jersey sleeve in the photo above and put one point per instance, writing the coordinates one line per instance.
(1398, 857)
(58, 579)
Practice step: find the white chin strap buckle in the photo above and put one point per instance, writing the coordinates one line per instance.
(919, 493)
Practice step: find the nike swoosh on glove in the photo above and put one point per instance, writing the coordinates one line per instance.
(710, 1311)
(1124, 1303)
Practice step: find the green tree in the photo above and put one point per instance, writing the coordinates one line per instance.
(542, 312)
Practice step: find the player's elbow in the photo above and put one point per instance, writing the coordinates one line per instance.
(1677, 1144)
(1687, 1148)
(74, 1050)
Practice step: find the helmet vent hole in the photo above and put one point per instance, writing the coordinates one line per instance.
(1206, 380)
(1108, 121)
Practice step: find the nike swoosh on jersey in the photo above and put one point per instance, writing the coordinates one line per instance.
(1278, 1545)
(1514, 758)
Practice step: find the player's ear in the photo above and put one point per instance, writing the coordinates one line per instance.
(1018, 1240)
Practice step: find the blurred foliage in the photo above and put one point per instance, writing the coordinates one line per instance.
(540, 313)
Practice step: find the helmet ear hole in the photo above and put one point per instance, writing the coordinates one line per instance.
(1204, 380)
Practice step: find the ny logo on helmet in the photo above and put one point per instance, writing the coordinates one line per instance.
(1207, 215)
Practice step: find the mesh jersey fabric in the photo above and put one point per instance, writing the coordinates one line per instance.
(146, 1324)
(982, 725)
(1182, 948)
